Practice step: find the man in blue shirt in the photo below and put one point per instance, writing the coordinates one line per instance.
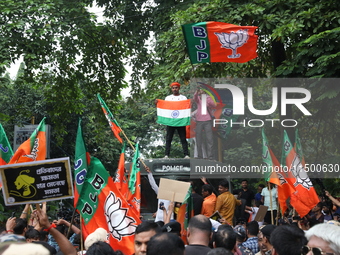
(252, 241)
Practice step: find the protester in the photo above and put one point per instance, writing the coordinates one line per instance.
(143, 233)
(287, 239)
(165, 244)
(252, 240)
(269, 198)
(226, 202)
(258, 196)
(100, 248)
(225, 237)
(241, 237)
(324, 238)
(172, 227)
(219, 251)
(176, 96)
(252, 211)
(32, 235)
(16, 228)
(20, 227)
(326, 211)
(47, 246)
(163, 204)
(334, 200)
(197, 199)
(65, 245)
(209, 203)
(264, 243)
(99, 235)
(198, 235)
(317, 214)
(245, 193)
(11, 248)
(204, 124)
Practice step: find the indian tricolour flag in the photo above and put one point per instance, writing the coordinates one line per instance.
(173, 113)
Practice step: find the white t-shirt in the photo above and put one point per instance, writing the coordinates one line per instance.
(265, 194)
(253, 212)
(159, 213)
(175, 98)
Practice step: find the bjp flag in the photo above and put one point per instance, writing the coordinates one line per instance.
(220, 42)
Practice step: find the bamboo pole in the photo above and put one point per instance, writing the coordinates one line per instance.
(271, 203)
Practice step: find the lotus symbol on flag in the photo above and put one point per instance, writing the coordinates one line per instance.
(118, 222)
(300, 174)
(117, 177)
(233, 40)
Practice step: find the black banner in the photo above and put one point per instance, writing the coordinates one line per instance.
(38, 181)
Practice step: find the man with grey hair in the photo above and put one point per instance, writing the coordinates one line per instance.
(324, 238)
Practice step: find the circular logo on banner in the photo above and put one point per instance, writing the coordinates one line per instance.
(175, 114)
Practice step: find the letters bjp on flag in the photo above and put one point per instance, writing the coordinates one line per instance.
(112, 121)
(6, 151)
(101, 205)
(81, 163)
(134, 192)
(304, 198)
(274, 174)
(268, 161)
(173, 113)
(32, 149)
(220, 42)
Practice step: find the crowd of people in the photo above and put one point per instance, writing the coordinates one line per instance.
(233, 233)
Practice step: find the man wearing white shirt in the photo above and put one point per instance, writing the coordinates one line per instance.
(269, 198)
(176, 96)
(166, 203)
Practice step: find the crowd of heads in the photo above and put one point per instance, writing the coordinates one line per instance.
(203, 235)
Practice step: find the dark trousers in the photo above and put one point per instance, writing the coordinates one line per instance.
(268, 217)
(170, 134)
(204, 128)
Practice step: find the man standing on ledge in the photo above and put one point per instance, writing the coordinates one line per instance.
(176, 96)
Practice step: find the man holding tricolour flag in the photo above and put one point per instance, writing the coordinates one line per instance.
(174, 112)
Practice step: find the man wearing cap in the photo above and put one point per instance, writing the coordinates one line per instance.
(241, 237)
(172, 227)
(176, 96)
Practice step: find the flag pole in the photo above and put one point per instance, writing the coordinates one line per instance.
(271, 203)
(278, 210)
(72, 219)
(131, 145)
(81, 234)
